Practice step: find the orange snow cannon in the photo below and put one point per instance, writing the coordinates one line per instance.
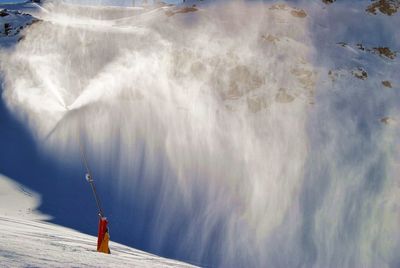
(103, 236)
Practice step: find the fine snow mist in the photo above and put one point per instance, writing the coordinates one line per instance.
(208, 117)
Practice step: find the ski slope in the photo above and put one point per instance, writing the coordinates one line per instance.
(234, 134)
(28, 241)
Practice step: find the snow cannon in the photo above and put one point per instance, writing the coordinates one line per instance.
(103, 236)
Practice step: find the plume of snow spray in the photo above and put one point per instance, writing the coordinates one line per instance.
(202, 113)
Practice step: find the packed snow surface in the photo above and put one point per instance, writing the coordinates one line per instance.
(28, 241)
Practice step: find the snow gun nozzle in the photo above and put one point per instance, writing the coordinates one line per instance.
(89, 178)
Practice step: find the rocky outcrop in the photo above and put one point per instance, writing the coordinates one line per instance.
(13, 22)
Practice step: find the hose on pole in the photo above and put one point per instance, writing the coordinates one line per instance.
(89, 177)
(103, 235)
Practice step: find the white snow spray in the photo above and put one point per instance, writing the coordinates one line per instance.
(209, 114)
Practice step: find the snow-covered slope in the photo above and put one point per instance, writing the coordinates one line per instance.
(12, 22)
(27, 241)
(17, 201)
(235, 134)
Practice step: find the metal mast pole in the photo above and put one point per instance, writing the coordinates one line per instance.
(89, 177)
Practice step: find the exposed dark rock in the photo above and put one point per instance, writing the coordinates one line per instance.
(361, 47)
(387, 120)
(299, 13)
(387, 84)
(7, 28)
(3, 13)
(360, 73)
(342, 44)
(385, 52)
(388, 7)
(170, 13)
(14, 22)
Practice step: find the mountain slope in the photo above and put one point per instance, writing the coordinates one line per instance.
(26, 240)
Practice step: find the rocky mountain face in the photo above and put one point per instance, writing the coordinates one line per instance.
(12, 23)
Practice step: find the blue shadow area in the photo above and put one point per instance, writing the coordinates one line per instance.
(67, 197)
(65, 194)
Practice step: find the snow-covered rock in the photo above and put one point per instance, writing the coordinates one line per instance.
(12, 22)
